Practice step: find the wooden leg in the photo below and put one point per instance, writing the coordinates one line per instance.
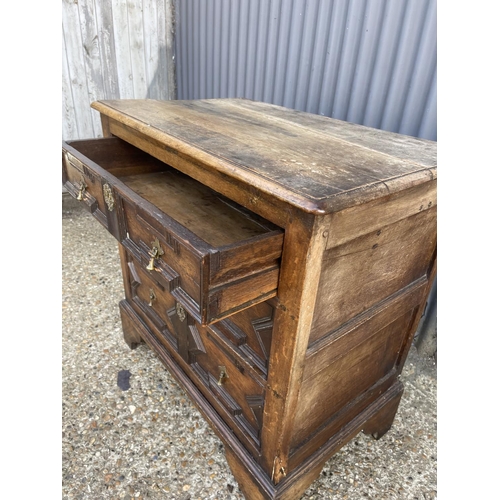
(255, 485)
(247, 481)
(380, 423)
(130, 333)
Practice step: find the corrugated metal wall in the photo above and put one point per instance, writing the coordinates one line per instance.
(113, 49)
(371, 62)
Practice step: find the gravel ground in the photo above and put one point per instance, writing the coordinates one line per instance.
(150, 442)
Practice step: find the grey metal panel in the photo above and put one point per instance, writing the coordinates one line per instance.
(428, 126)
(370, 34)
(422, 78)
(371, 62)
(408, 48)
(391, 27)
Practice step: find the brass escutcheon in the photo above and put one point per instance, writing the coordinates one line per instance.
(152, 296)
(81, 189)
(223, 376)
(108, 197)
(155, 252)
(181, 313)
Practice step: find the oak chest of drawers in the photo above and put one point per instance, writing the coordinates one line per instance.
(277, 262)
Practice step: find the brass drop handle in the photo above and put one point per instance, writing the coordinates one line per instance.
(81, 189)
(181, 313)
(152, 296)
(223, 376)
(108, 196)
(151, 265)
(155, 252)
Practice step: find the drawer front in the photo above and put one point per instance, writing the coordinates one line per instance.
(235, 387)
(150, 299)
(159, 250)
(152, 209)
(250, 332)
(211, 283)
(86, 186)
(239, 393)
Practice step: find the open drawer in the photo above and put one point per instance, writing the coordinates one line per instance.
(214, 256)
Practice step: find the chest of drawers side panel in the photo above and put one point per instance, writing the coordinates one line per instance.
(371, 291)
(360, 273)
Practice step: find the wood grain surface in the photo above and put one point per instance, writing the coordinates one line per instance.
(278, 153)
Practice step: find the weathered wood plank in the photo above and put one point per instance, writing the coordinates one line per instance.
(163, 30)
(69, 122)
(91, 58)
(151, 47)
(362, 272)
(168, 65)
(405, 147)
(123, 49)
(76, 70)
(356, 221)
(137, 48)
(104, 21)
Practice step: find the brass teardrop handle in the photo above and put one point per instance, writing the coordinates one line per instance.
(108, 196)
(223, 376)
(155, 252)
(152, 296)
(81, 189)
(181, 313)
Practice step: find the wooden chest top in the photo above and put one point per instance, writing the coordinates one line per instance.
(314, 163)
